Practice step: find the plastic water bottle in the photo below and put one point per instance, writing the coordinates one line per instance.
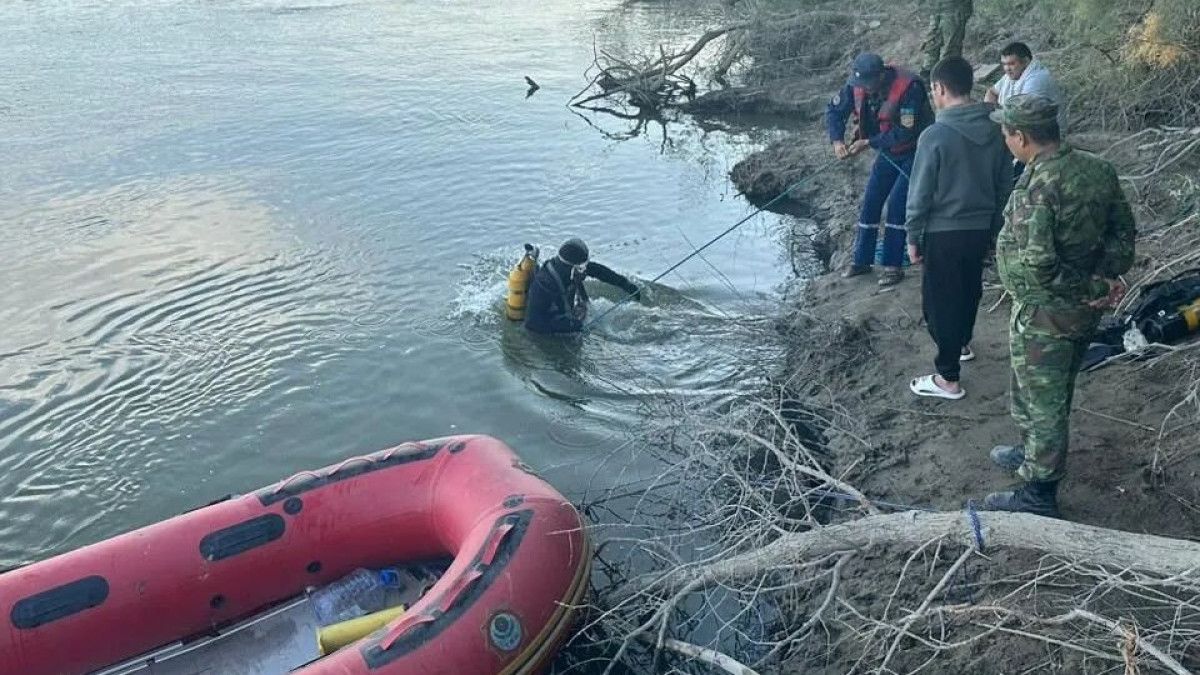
(356, 594)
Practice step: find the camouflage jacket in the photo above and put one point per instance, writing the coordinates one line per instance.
(1066, 224)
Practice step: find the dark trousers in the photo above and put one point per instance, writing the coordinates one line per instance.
(888, 184)
(950, 290)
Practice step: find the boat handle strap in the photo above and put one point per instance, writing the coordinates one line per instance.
(488, 553)
(317, 476)
(409, 621)
(345, 462)
(406, 622)
(293, 478)
(369, 459)
(492, 545)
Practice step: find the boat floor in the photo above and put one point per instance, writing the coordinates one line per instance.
(275, 642)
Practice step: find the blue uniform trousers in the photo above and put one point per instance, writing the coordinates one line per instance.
(886, 185)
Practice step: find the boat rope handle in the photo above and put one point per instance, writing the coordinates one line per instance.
(343, 464)
(317, 476)
(349, 460)
(290, 479)
(408, 447)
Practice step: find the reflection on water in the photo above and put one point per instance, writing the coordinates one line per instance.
(248, 237)
(184, 313)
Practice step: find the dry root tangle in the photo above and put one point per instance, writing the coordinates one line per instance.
(659, 78)
(772, 561)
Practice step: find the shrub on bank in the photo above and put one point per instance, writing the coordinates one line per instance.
(1127, 64)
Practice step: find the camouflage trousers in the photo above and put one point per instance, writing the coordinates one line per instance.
(947, 30)
(1047, 349)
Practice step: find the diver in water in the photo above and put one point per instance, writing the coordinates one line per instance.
(558, 302)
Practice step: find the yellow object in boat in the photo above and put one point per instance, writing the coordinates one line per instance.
(335, 636)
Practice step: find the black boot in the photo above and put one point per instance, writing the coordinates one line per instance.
(1036, 497)
(1008, 457)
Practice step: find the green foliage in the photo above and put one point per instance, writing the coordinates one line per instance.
(1124, 64)
(1114, 19)
(1097, 10)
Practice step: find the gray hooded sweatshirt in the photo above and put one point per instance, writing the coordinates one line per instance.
(961, 176)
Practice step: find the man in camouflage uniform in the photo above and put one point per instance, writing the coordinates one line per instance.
(1068, 233)
(947, 29)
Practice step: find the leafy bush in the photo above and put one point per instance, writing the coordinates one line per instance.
(1125, 64)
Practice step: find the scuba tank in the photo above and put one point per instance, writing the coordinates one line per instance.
(1169, 310)
(519, 279)
(1165, 312)
(1168, 328)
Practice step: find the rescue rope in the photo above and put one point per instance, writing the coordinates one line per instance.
(628, 296)
(969, 510)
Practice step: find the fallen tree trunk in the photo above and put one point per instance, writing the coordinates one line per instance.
(712, 657)
(1124, 550)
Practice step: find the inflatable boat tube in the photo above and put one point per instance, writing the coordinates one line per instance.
(520, 567)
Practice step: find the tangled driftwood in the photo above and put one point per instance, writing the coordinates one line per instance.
(763, 522)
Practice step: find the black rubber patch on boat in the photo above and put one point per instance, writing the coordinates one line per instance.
(242, 537)
(380, 460)
(376, 656)
(60, 602)
(218, 500)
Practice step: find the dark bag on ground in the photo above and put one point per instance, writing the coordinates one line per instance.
(1165, 312)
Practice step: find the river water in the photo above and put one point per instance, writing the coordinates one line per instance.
(248, 237)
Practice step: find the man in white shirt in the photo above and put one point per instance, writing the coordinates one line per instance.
(1024, 74)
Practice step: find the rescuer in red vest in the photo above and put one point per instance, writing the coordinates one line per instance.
(890, 108)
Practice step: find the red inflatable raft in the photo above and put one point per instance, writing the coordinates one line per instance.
(142, 602)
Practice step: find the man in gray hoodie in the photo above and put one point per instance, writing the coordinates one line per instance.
(960, 182)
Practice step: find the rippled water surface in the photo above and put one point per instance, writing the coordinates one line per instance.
(248, 237)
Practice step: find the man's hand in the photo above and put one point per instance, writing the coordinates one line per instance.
(1116, 292)
(858, 146)
(839, 150)
(633, 291)
(991, 96)
(914, 254)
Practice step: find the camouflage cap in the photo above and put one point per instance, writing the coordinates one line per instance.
(1025, 111)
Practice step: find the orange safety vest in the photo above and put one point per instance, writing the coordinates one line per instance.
(888, 113)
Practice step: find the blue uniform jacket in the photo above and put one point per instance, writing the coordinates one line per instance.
(554, 296)
(914, 102)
